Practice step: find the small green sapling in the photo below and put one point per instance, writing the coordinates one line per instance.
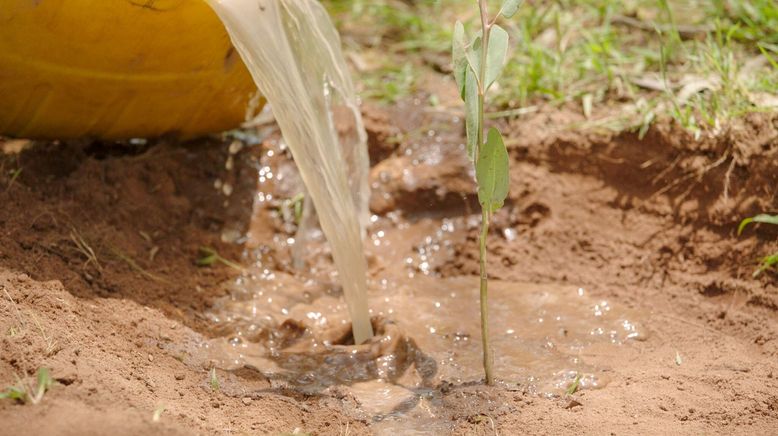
(477, 64)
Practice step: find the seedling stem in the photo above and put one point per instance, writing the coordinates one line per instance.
(487, 349)
(477, 64)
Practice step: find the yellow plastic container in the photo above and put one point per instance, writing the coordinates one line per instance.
(117, 69)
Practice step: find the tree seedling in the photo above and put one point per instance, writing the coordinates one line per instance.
(770, 261)
(477, 64)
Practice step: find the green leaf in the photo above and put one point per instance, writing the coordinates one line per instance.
(573, 388)
(473, 56)
(495, 57)
(209, 257)
(44, 383)
(767, 263)
(44, 379)
(207, 260)
(509, 7)
(763, 218)
(770, 59)
(297, 203)
(743, 225)
(491, 172)
(471, 113)
(458, 48)
(768, 219)
(13, 393)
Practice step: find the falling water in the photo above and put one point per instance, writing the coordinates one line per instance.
(293, 53)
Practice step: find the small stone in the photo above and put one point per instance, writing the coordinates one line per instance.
(662, 407)
(151, 358)
(179, 376)
(215, 404)
(246, 401)
(572, 404)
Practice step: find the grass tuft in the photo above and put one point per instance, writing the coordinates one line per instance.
(134, 265)
(26, 392)
(767, 262)
(719, 58)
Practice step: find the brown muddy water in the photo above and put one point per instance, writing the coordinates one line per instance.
(293, 325)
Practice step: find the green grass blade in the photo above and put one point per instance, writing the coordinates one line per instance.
(769, 58)
(208, 259)
(762, 218)
(767, 263)
(768, 219)
(44, 383)
(13, 393)
(573, 388)
(743, 225)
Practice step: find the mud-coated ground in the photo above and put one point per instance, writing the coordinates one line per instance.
(99, 243)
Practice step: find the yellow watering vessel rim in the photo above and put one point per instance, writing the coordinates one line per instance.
(118, 69)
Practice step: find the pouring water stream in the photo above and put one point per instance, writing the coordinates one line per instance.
(293, 53)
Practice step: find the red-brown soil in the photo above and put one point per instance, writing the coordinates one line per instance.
(646, 223)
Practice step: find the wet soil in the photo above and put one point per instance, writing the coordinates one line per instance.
(98, 269)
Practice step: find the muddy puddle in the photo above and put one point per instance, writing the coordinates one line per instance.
(428, 333)
(297, 334)
(293, 325)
